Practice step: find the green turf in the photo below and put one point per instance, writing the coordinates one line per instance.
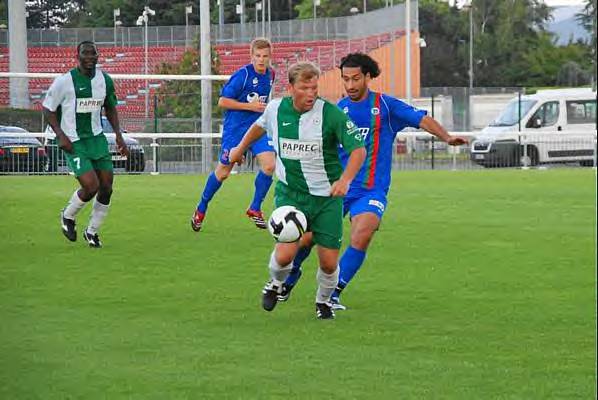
(479, 285)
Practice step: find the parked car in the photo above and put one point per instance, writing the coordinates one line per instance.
(136, 160)
(20, 154)
(557, 126)
(134, 163)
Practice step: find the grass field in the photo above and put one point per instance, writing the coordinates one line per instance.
(479, 285)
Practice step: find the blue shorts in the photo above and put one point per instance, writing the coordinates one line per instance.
(374, 202)
(261, 145)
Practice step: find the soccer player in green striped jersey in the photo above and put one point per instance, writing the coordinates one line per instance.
(73, 108)
(306, 132)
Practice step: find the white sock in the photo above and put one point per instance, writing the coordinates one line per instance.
(326, 285)
(74, 205)
(278, 273)
(98, 214)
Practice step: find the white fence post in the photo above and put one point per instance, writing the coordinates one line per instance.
(154, 146)
(525, 157)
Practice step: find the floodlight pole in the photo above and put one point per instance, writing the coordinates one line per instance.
(408, 51)
(115, 14)
(145, 41)
(220, 18)
(206, 84)
(471, 45)
(263, 19)
(188, 10)
(17, 51)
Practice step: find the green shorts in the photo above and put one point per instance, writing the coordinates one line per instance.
(89, 154)
(324, 214)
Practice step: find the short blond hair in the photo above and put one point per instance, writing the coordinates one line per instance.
(303, 71)
(260, 43)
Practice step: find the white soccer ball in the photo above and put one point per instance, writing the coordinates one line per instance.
(287, 224)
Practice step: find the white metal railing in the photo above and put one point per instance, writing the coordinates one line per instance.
(194, 152)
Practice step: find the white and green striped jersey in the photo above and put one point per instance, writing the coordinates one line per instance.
(78, 101)
(306, 144)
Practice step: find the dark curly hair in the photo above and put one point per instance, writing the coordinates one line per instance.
(366, 63)
(85, 43)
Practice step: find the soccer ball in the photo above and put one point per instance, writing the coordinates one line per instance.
(287, 224)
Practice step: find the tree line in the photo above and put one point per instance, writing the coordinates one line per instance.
(511, 46)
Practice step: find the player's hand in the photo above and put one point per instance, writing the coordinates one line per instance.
(457, 140)
(236, 156)
(257, 106)
(340, 188)
(65, 144)
(121, 146)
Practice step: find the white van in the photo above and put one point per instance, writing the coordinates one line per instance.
(556, 126)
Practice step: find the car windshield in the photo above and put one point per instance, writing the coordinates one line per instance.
(18, 140)
(12, 129)
(510, 115)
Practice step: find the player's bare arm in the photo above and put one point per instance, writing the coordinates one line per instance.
(432, 126)
(112, 116)
(253, 134)
(232, 104)
(63, 141)
(356, 159)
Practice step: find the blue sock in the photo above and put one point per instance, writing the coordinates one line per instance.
(295, 274)
(212, 186)
(262, 185)
(350, 263)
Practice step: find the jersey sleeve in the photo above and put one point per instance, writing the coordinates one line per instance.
(55, 95)
(267, 116)
(402, 114)
(111, 99)
(346, 131)
(234, 87)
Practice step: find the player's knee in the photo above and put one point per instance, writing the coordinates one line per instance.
(222, 172)
(104, 194)
(361, 238)
(284, 257)
(328, 267)
(90, 189)
(268, 168)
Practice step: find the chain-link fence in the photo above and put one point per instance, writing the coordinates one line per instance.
(340, 28)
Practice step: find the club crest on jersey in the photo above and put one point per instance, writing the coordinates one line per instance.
(375, 111)
(346, 110)
(89, 105)
(293, 149)
(255, 81)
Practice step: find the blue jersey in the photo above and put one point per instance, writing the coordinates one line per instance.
(379, 117)
(245, 86)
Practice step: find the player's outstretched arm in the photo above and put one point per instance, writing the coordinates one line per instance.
(253, 134)
(432, 126)
(356, 159)
(232, 104)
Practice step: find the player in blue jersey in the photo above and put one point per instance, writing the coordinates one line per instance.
(244, 97)
(379, 117)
